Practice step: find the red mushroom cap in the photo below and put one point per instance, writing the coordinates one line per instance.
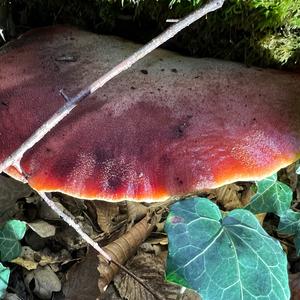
(169, 126)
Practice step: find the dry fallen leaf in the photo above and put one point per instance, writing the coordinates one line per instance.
(10, 191)
(295, 286)
(82, 279)
(42, 228)
(42, 282)
(135, 211)
(261, 218)
(150, 268)
(106, 213)
(123, 248)
(155, 244)
(292, 176)
(30, 259)
(228, 196)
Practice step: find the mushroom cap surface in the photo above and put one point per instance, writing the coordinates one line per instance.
(169, 126)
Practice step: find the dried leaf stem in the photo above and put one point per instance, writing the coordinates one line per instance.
(91, 242)
(15, 158)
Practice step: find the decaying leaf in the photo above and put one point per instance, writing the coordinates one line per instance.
(106, 212)
(135, 212)
(228, 196)
(292, 175)
(261, 218)
(150, 268)
(82, 279)
(123, 248)
(155, 244)
(42, 282)
(10, 191)
(30, 259)
(42, 228)
(111, 293)
(295, 286)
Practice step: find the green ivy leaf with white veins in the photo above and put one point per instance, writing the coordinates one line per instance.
(290, 224)
(10, 234)
(4, 277)
(272, 196)
(228, 258)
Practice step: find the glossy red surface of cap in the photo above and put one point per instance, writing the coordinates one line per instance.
(169, 126)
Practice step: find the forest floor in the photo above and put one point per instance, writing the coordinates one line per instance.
(132, 233)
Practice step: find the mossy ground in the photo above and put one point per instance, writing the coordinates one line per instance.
(256, 32)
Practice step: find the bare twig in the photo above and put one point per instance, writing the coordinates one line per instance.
(16, 156)
(90, 241)
(74, 225)
(2, 35)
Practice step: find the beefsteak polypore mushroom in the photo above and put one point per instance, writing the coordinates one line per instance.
(169, 126)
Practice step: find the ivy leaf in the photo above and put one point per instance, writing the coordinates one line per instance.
(4, 277)
(290, 224)
(10, 234)
(272, 196)
(224, 258)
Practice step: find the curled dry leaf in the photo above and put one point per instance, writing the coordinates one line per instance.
(150, 268)
(123, 248)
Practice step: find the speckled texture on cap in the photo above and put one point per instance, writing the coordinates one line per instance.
(169, 126)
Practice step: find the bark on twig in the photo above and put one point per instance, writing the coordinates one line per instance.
(15, 158)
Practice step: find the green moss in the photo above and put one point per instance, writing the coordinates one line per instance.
(259, 32)
(241, 30)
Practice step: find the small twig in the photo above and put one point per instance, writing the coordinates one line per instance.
(16, 156)
(91, 242)
(65, 96)
(74, 225)
(172, 20)
(2, 35)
